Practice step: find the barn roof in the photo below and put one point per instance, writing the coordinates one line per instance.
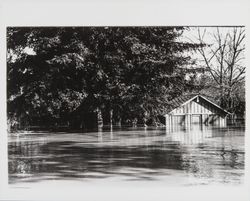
(184, 99)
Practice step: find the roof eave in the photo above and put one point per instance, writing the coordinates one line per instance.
(204, 99)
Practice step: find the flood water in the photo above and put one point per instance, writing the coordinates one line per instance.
(193, 156)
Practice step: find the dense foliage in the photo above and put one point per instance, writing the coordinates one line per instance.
(75, 76)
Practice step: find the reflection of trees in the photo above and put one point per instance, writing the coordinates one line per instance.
(198, 153)
(25, 156)
(109, 158)
(211, 152)
(69, 159)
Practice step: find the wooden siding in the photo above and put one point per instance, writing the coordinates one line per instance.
(194, 107)
(183, 120)
(199, 111)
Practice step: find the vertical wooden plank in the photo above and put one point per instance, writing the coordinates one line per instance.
(203, 108)
(171, 121)
(217, 120)
(207, 119)
(167, 120)
(187, 120)
(222, 121)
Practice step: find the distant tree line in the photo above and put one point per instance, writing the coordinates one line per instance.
(82, 77)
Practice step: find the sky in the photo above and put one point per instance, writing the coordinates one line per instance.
(191, 35)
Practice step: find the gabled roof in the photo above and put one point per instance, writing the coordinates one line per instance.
(184, 99)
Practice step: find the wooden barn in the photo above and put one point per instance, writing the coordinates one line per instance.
(195, 109)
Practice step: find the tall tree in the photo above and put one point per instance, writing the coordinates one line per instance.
(63, 74)
(224, 60)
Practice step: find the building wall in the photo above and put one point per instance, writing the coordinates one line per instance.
(213, 119)
(194, 107)
(196, 111)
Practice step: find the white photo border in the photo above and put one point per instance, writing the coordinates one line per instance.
(120, 13)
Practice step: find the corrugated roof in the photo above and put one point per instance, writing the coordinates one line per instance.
(177, 102)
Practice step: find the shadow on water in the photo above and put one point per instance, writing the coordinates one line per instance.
(212, 154)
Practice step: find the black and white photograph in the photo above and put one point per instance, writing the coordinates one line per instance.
(125, 105)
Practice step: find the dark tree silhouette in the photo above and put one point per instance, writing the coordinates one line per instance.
(77, 75)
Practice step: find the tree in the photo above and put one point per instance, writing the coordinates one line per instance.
(224, 61)
(40, 88)
(66, 74)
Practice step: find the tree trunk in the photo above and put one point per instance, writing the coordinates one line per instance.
(134, 122)
(111, 117)
(99, 118)
(82, 124)
(119, 119)
(144, 121)
(119, 122)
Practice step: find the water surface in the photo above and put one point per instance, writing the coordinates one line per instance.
(197, 155)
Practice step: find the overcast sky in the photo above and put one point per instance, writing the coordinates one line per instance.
(192, 35)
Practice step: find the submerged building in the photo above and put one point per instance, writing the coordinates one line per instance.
(195, 109)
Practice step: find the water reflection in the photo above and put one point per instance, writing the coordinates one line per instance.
(206, 153)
